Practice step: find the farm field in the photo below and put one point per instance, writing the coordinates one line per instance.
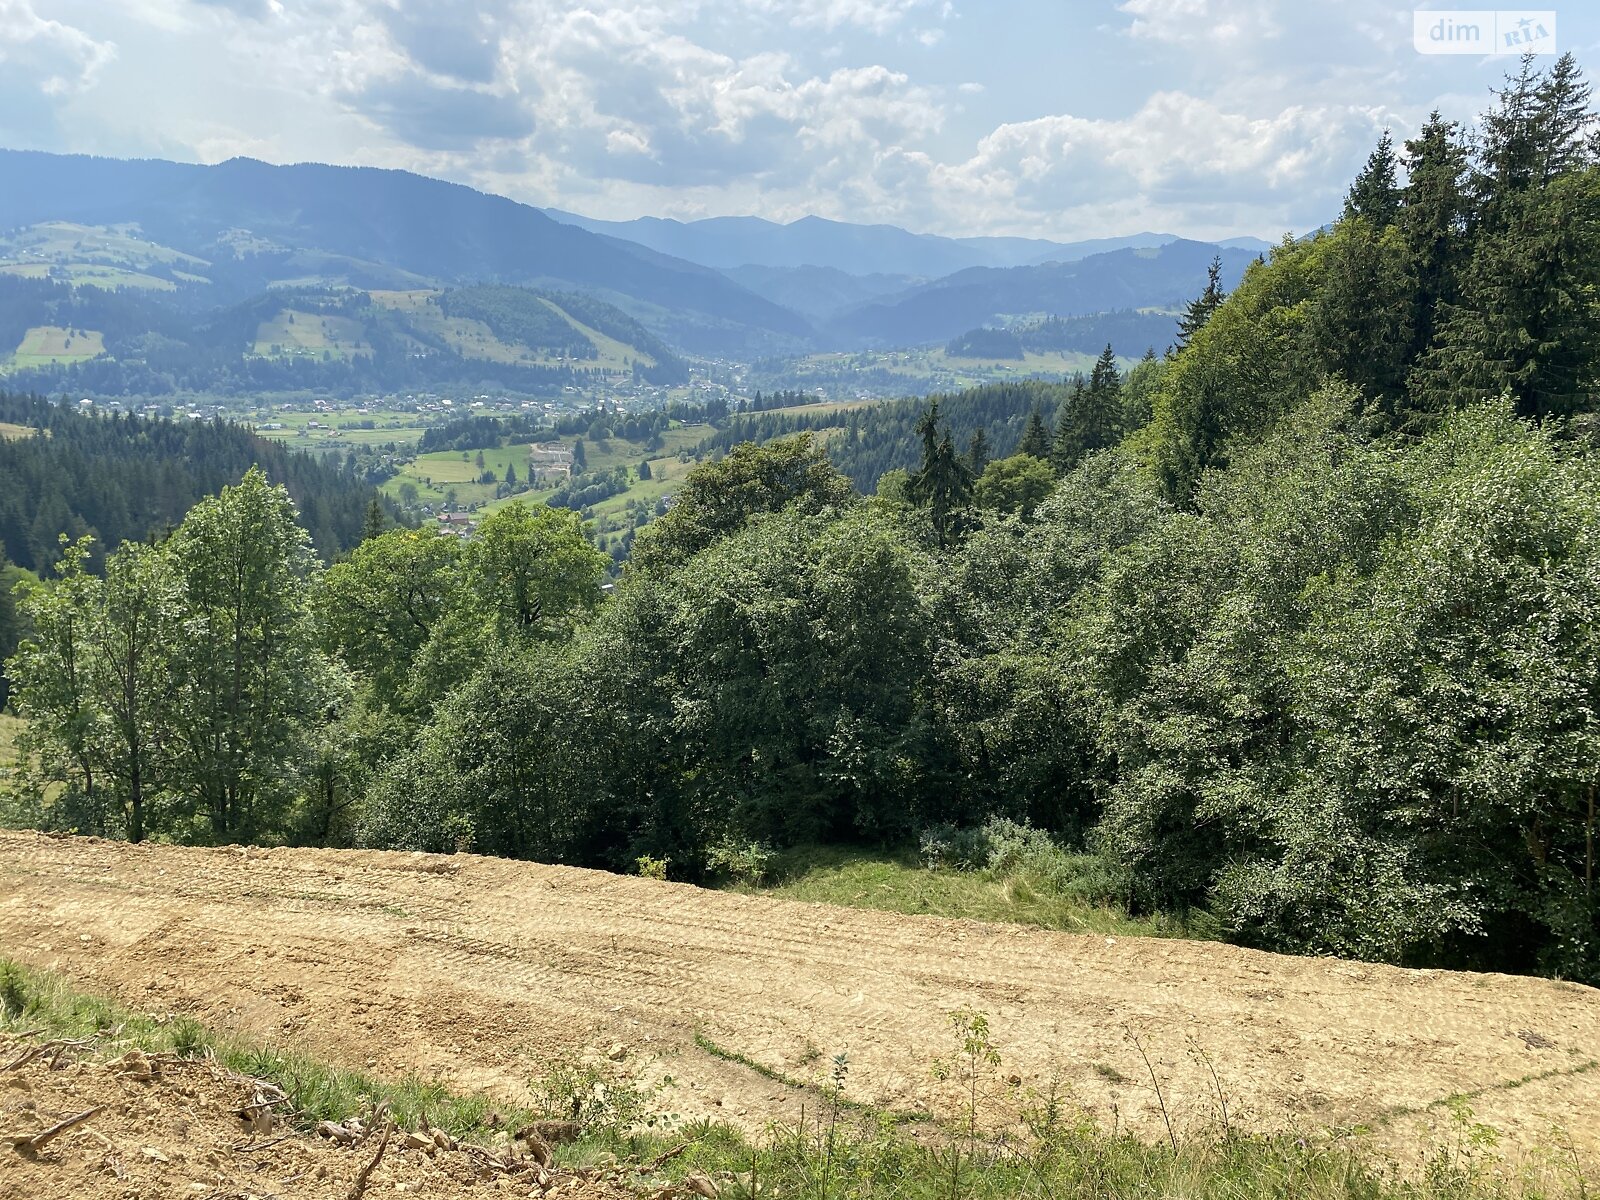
(473, 969)
(292, 332)
(474, 339)
(888, 373)
(335, 429)
(111, 257)
(438, 476)
(46, 345)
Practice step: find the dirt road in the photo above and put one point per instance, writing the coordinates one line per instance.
(477, 969)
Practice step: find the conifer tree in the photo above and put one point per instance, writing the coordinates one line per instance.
(1035, 435)
(374, 522)
(1199, 310)
(978, 452)
(1092, 419)
(1375, 194)
(942, 484)
(1432, 222)
(1525, 320)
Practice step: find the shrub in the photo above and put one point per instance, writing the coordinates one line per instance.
(742, 862)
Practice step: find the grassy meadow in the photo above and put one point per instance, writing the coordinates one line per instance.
(902, 883)
(49, 345)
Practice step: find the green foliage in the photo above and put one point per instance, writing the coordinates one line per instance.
(128, 478)
(532, 572)
(652, 868)
(1476, 278)
(1014, 485)
(720, 498)
(378, 608)
(942, 484)
(518, 316)
(740, 862)
(1353, 673)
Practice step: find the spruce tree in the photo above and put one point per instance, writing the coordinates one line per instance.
(1375, 195)
(978, 452)
(1092, 419)
(1199, 310)
(1035, 436)
(1433, 223)
(374, 523)
(1067, 447)
(942, 484)
(1524, 321)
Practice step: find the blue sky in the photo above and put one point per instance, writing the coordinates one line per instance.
(1200, 117)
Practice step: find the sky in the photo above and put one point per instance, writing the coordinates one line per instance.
(1041, 118)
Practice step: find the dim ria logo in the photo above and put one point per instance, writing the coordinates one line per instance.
(1483, 31)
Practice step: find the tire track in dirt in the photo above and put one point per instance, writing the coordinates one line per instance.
(477, 969)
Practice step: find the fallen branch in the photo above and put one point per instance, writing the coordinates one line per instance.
(27, 1056)
(246, 1147)
(359, 1187)
(44, 1137)
(663, 1159)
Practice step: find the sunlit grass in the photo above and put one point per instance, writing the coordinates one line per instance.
(888, 882)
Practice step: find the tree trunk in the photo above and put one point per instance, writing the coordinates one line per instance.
(1588, 837)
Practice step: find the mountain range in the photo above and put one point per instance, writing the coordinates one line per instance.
(733, 242)
(203, 238)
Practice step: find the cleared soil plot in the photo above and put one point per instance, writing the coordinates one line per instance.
(159, 1126)
(476, 970)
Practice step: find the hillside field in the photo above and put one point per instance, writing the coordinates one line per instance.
(473, 970)
(48, 345)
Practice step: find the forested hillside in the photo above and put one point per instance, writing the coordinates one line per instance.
(127, 478)
(246, 226)
(343, 341)
(1291, 630)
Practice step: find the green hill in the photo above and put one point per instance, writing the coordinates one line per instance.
(55, 336)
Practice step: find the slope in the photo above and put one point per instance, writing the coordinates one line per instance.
(471, 968)
(1162, 277)
(253, 222)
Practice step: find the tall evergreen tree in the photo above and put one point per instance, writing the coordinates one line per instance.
(1092, 419)
(1433, 224)
(1199, 310)
(1035, 435)
(942, 484)
(1525, 322)
(1375, 194)
(978, 452)
(374, 523)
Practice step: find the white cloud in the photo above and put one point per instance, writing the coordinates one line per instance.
(54, 57)
(879, 16)
(777, 107)
(1221, 22)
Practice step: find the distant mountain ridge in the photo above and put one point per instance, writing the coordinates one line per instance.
(205, 237)
(254, 222)
(1159, 277)
(728, 243)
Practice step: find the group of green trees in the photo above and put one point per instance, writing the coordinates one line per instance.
(200, 687)
(1280, 626)
(124, 477)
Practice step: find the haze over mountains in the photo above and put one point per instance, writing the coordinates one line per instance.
(215, 236)
(728, 242)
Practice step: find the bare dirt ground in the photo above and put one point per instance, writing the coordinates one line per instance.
(154, 1128)
(475, 970)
